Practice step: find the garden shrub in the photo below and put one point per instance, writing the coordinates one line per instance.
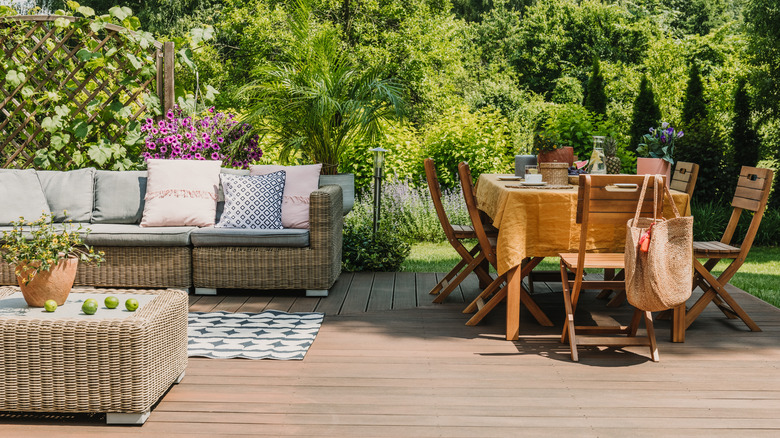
(480, 138)
(573, 125)
(365, 251)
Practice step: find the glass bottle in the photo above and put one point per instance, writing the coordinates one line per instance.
(597, 165)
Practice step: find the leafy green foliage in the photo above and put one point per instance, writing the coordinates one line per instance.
(318, 102)
(365, 251)
(480, 138)
(88, 119)
(575, 126)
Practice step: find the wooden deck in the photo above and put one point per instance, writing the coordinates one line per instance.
(387, 363)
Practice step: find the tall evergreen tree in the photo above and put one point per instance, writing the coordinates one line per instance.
(646, 113)
(694, 106)
(595, 96)
(700, 144)
(745, 138)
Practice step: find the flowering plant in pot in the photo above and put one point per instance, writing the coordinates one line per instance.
(659, 143)
(46, 257)
(210, 135)
(548, 150)
(655, 155)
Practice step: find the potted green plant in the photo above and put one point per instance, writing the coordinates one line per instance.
(45, 258)
(655, 154)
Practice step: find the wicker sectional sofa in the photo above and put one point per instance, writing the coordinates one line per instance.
(110, 205)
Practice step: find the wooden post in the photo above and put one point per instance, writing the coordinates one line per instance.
(169, 97)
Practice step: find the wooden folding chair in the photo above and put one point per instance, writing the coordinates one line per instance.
(472, 260)
(496, 291)
(752, 194)
(601, 202)
(684, 177)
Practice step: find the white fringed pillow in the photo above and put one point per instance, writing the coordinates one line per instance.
(181, 193)
(253, 201)
(300, 182)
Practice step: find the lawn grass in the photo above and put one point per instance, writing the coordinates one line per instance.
(760, 275)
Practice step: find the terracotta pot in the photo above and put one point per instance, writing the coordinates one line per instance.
(54, 284)
(654, 166)
(562, 155)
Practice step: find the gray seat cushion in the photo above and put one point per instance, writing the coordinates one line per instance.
(71, 192)
(119, 197)
(135, 235)
(286, 237)
(21, 195)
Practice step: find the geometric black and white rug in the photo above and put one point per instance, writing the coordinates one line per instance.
(268, 335)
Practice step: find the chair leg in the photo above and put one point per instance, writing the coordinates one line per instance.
(491, 304)
(716, 290)
(466, 271)
(447, 278)
(654, 356)
(568, 329)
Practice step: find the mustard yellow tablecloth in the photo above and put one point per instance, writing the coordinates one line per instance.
(542, 222)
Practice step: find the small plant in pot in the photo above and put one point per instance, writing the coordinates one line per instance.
(655, 154)
(548, 150)
(45, 258)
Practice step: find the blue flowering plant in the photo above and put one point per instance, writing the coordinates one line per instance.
(207, 136)
(659, 143)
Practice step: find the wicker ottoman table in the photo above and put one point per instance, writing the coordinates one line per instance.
(114, 361)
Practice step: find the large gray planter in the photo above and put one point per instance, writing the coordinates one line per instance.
(347, 183)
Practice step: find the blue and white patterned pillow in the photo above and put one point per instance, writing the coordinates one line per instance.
(252, 201)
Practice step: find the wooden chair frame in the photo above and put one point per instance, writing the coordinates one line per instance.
(752, 193)
(601, 202)
(472, 260)
(496, 291)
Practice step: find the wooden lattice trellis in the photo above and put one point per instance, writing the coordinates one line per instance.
(57, 67)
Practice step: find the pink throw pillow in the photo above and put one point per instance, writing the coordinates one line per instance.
(301, 181)
(181, 193)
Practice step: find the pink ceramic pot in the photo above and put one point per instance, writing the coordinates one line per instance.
(654, 166)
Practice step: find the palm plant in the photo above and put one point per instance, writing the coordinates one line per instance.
(316, 102)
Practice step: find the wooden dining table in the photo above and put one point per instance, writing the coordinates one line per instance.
(537, 222)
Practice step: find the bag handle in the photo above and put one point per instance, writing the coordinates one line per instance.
(642, 199)
(671, 201)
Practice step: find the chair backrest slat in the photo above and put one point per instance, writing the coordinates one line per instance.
(611, 205)
(467, 184)
(684, 178)
(435, 189)
(752, 188)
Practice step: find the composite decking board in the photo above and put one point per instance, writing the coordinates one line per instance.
(405, 293)
(379, 373)
(206, 303)
(425, 281)
(231, 303)
(381, 297)
(331, 305)
(304, 304)
(357, 297)
(282, 302)
(255, 304)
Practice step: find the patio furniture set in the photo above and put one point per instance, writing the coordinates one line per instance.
(584, 226)
(119, 362)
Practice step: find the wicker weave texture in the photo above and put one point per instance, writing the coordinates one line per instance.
(315, 267)
(129, 266)
(105, 365)
(133, 266)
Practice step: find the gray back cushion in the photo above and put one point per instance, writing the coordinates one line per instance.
(21, 195)
(70, 191)
(347, 183)
(119, 197)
